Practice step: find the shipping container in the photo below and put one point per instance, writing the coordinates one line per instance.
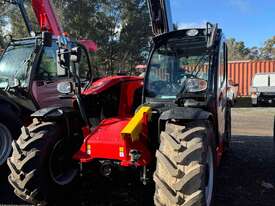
(243, 72)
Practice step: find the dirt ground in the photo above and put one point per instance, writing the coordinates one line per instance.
(247, 173)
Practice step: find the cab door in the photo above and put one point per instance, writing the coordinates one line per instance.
(47, 77)
(222, 91)
(44, 85)
(161, 17)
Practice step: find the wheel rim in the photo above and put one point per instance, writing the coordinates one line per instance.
(62, 168)
(210, 177)
(5, 143)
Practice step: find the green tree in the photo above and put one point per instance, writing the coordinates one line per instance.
(2, 25)
(237, 50)
(16, 22)
(268, 50)
(120, 28)
(135, 33)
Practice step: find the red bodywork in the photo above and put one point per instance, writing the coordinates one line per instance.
(91, 46)
(48, 21)
(46, 17)
(105, 142)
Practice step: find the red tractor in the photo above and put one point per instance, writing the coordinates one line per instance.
(170, 130)
(29, 73)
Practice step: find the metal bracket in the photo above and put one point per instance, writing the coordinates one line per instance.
(211, 30)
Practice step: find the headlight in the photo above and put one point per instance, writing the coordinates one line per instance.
(65, 87)
(196, 85)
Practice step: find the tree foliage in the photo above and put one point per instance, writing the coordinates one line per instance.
(268, 51)
(2, 25)
(120, 28)
(238, 51)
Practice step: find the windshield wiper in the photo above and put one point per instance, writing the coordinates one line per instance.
(199, 63)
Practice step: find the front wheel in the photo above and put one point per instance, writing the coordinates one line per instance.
(186, 164)
(42, 170)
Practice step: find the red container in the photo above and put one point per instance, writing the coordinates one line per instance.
(243, 72)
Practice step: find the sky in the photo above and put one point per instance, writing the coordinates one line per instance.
(251, 21)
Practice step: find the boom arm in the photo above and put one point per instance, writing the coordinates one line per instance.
(161, 16)
(46, 17)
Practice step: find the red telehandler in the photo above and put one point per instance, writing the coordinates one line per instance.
(29, 73)
(169, 130)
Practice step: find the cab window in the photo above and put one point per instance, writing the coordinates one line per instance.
(48, 65)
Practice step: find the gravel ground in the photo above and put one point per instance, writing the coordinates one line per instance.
(247, 173)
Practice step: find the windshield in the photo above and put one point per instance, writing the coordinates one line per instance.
(170, 68)
(14, 64)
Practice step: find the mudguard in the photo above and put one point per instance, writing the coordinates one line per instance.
(53, 113)
(185, 113)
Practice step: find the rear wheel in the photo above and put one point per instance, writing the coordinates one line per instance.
(9, 129)
(42, 170)
(5, 143)
(185, 170)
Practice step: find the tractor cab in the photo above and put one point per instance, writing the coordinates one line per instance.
(30, 73)
(181, 66)
(29, 67)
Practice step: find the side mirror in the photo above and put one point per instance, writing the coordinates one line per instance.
(47, 39)
(63, 58)
(75, 55)
(63, 61)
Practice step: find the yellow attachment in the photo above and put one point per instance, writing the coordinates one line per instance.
(134, 127)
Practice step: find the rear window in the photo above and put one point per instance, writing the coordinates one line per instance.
(260, 81)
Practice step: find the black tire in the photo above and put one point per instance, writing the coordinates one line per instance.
(10, 125)
(31, 165)
(182, 171)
